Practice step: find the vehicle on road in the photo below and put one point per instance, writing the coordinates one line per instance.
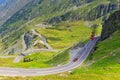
(74, 60)
(22, 54)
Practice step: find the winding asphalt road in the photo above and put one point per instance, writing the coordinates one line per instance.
(82, 55)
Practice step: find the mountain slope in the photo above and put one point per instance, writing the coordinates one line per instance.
(10, 7)
(111, 25)
(51, 12)
(104, 64)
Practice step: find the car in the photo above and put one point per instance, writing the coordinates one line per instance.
(74, 60)
(22, 54)
(92, 38)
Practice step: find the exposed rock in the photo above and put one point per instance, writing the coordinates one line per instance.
(92, 14)
(100, 11)
(111, 25)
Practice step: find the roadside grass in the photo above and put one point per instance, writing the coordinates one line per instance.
(38, 60)
(6, 62)
(46, 59)
(108, 46)
(60, 58)
(41, 56)
(66, 76)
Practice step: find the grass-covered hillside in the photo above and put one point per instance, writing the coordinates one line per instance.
(60, 37)
(49, 12)
(62, 24)
(103, 65)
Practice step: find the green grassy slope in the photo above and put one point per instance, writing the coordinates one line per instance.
(104, 65)
(105, 61)
(60, 37)
(38, 60)
(65, 34)
(41, 11)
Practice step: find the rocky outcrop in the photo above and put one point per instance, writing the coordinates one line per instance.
(91, 14)
(58, 19)
(28, 38)
(101, 10)
(111, 25)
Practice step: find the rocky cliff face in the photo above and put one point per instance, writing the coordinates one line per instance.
(101, 10)
(111, 25)
(90, 14)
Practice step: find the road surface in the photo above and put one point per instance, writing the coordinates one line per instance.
(82, 55)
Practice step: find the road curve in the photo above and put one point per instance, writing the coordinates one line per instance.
(82, 55)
